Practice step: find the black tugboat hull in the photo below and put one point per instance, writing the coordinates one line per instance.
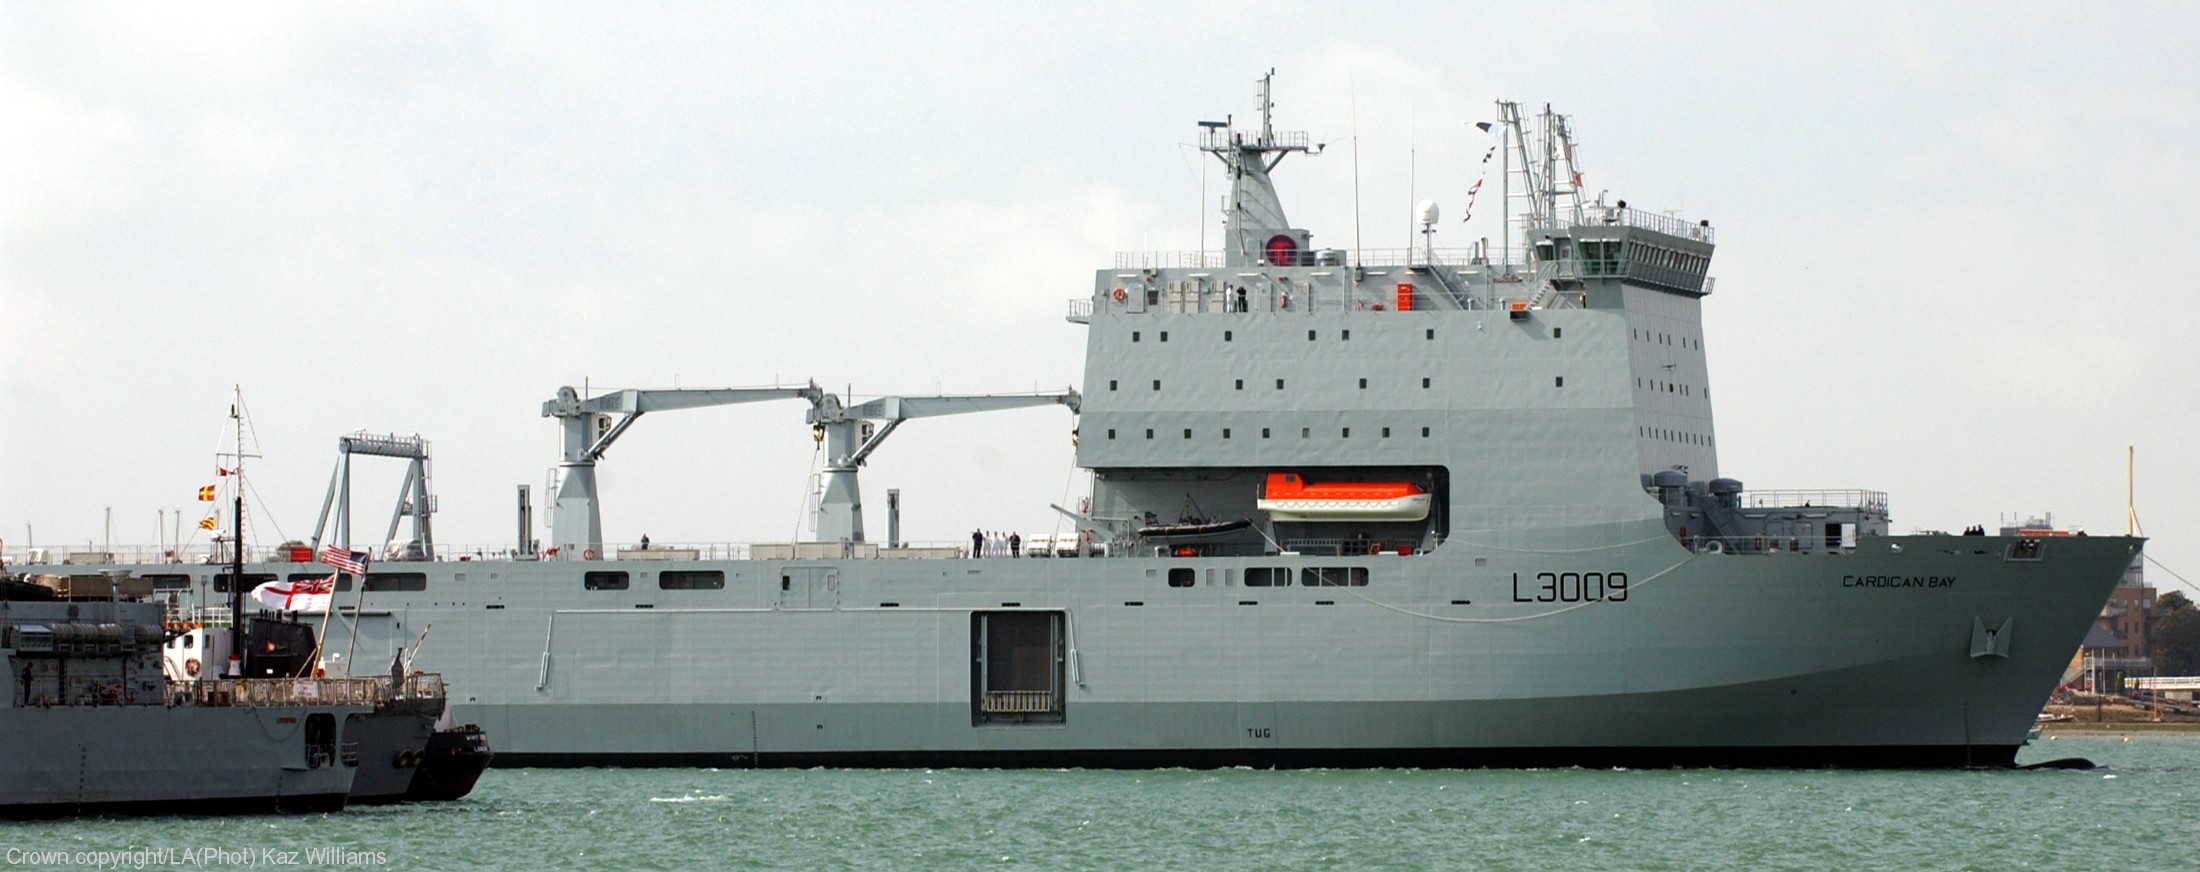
(449, 766)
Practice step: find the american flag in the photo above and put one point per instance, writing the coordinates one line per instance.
(354, 562)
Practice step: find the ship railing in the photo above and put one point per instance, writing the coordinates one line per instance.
(1340, 547)
(1670, 225)
(261, 692)
(1762, 545)
(1170, 260)
(1867, 500)
(1080, 311)
(1366, 257)
(1018, 701)
(1396, 257)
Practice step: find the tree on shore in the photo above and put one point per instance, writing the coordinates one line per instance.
(2176, 635)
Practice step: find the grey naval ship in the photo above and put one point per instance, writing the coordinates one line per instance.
(95, 723)
(1421, 507)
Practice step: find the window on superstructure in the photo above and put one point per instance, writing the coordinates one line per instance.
(1279, 384)
(1557, 332)
(181, 582)
(1386, 432)
(1347, 433)
(1561, 382)
(1263, 432)
(1187, 432)
(1111, 432)
(1111, 384)
(1424, 384)
(1309, 335)
(1157, 384)
(1149, 433)
(1225, 432)
(1164, 335)
(691, 579)
(1424, 432)
(1431, 333)
(1241, 384)
(1134, 336)
(603, 581)
(1181, 576)
(1225, 335)
(1333, 576)
(1345, 336)
(1363, 384)
(1306, 432)
(397, 581)
(225, 581)
(1267, 576)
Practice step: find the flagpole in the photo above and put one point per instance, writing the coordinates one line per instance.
(352, 646)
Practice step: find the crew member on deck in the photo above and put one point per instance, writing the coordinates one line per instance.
(645, 541)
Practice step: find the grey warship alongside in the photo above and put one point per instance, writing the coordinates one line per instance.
(1487, 527)
(93, 725)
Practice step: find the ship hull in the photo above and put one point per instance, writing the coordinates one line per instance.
(1451, 658)
(74, 760)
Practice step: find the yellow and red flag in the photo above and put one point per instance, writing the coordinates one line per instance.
(206, 494)
(206, 524)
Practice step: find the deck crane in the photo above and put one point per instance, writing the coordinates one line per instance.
(850, 435)
(576, 524)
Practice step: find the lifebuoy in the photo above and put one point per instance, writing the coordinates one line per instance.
(588, 554)
(1120, 296)
(191, 666)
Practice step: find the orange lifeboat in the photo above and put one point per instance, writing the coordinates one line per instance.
(1287, 497)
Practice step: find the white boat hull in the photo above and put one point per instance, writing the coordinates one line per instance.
(1407, 508)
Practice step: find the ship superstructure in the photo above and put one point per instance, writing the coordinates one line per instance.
(1422, 507)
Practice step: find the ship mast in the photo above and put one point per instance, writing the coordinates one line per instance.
(1255, 213)
(236, 538)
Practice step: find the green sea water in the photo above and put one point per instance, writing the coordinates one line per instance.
(2135, 812)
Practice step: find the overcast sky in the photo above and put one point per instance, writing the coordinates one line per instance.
(1950, 264)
